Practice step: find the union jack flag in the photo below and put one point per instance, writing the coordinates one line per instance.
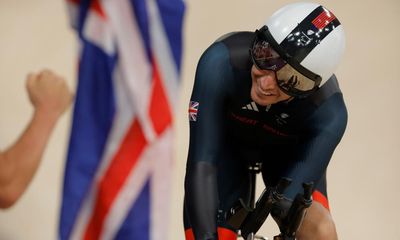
(323, 19)
(193, 109)
(119, 163)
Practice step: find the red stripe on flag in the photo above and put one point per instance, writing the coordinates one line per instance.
(74, 1)
(319, 197)
(159, 111)
(323, 19)
(96, 6)
(115, 177)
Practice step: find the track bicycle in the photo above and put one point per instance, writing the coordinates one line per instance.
(249, 218)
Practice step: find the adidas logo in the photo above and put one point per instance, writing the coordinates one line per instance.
(253, 106)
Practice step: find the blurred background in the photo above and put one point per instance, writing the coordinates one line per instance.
(363, 179)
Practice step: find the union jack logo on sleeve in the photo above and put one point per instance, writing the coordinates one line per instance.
(193, 109)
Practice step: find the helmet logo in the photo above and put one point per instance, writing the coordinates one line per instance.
(301, 38)
(309, 33)
(323, 19)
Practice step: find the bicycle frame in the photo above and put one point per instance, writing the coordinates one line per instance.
(249, 218)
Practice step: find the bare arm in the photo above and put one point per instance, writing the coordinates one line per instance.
(50, 97)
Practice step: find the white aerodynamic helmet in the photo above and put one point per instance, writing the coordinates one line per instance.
(303, 43)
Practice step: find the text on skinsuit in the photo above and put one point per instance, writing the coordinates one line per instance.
(254, 122)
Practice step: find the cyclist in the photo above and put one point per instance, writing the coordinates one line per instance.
(267, 96)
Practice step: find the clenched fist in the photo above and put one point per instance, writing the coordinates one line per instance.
(50, 96)
(48, 93)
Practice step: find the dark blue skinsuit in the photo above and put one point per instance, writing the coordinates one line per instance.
(294, 139)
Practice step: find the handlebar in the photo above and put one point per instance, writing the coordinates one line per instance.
(257, 217)
(249, 220)
(296, 213)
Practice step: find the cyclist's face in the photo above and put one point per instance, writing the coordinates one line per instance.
(264, 89)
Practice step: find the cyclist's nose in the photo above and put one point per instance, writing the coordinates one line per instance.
(268, 80)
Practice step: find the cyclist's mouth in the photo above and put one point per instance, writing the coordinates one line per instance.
(261, 92)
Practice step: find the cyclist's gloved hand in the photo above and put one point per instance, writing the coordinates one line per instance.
(280, 210)
(289, 214)
(208, 236)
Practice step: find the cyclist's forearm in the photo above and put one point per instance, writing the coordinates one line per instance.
(201, 199)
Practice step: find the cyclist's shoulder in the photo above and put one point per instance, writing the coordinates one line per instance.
(231, 48)
(329, 90)
(238, 45)
(237, 39)
(329, 112)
